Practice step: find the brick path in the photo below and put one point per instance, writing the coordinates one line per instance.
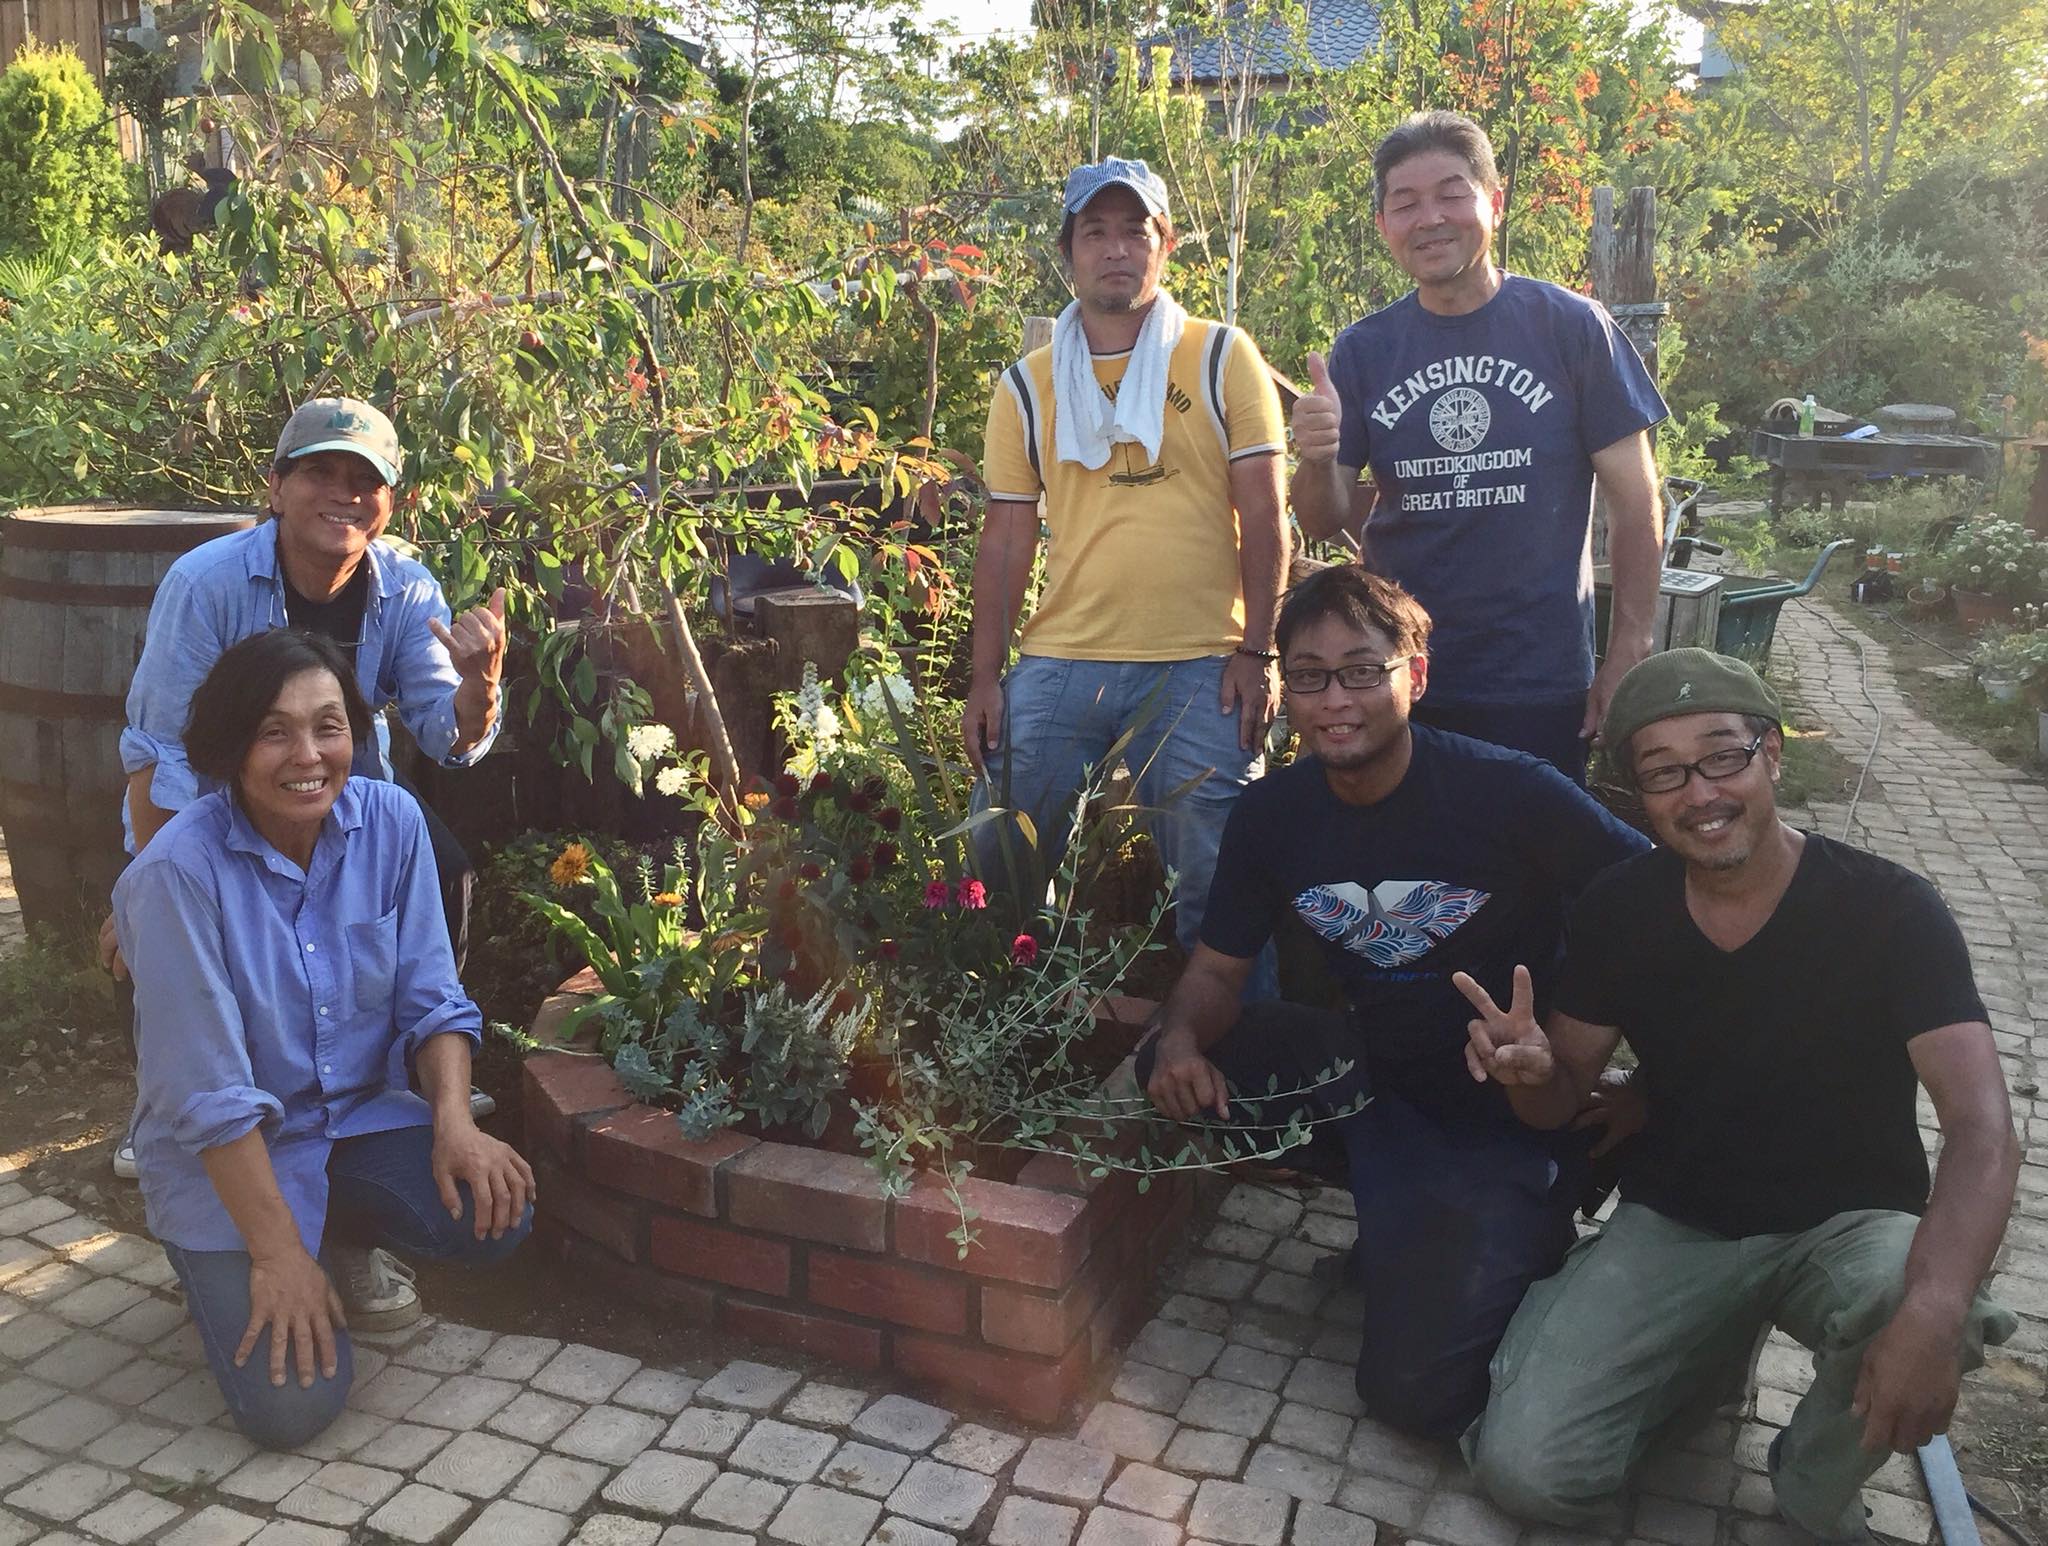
(1232, 1421)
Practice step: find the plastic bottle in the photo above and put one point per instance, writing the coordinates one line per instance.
(1806, 415)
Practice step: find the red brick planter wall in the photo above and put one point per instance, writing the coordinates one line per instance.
(783, 1244)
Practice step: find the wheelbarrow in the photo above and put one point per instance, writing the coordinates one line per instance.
(1749, 607)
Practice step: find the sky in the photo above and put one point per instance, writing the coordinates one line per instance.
(978, 18)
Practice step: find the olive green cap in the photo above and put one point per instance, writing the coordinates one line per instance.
(341, 424)
(1685, 681)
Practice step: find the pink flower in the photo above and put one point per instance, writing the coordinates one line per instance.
(1023, 950)
(972, 895)
(937, 893)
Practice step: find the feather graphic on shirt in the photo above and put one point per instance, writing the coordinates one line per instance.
(1390, 924)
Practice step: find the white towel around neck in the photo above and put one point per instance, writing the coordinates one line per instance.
(1085, 422)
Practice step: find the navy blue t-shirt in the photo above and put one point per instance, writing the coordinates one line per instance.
(1469, 865)
(1480, 432)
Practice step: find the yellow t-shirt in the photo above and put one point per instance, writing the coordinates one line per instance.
(1141, 561)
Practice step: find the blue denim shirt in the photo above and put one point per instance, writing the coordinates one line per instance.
(226, 590)
(271, 997)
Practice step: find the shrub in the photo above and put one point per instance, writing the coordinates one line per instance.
(62, 180)
(1998, 558)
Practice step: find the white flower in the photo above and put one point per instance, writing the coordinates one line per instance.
(649, 742)
(877, 694)
(2011, 567)
(671, 781)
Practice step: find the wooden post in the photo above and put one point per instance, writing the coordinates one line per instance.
(1037, 332)
(813, 623)
(1621, 260)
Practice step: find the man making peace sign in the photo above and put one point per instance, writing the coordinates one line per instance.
(1785, 997)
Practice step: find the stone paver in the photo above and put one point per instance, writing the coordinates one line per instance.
(1233, 1420)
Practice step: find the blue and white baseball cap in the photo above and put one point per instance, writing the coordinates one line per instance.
(1084, 182)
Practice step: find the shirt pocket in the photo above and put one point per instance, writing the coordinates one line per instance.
(373, 963)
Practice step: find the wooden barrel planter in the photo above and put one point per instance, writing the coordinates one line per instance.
(76, 582)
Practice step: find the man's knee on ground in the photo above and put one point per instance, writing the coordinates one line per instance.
(287, 1416)
(1430, 1398)
(463, 1249)
(1530, 1467)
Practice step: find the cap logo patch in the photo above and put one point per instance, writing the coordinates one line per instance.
(1684, 691)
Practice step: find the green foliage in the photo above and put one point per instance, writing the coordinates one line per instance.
(1996, 558)
(62, 180)
(49, 985)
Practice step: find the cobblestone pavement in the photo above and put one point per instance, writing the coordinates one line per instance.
(1232, 1421)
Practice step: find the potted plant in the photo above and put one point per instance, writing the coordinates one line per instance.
(2012, 661)
(1992, 567)
(1928, 598)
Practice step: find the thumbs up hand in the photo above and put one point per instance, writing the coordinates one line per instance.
(1317, 415)
(476, 644)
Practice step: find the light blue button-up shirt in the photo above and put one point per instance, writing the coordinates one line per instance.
(224, 591)
(267, 996)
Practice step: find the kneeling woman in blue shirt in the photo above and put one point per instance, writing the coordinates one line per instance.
(304, 1044)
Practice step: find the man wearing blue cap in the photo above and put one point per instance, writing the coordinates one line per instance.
(317, 564)
(1154, 440)
(1786, 997)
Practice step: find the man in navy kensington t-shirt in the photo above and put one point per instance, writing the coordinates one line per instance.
(1487, 405)
(1412, 854)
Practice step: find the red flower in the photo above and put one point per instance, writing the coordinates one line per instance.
(820, 782)
(858, 869)
(888, 950)
(937, 893)
(889, 818)
(787, 786)
(787, 890)
(886, 856)
(811, 872)
(784, 809)
(972, 895)
(1024, 950)
(875, 789)
(858, 801)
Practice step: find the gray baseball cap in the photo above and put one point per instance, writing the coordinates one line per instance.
(341, 424)
(1084, 182)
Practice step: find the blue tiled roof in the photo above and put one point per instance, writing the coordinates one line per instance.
(1337, 33)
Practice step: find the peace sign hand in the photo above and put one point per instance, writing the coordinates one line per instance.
(1505, 1045)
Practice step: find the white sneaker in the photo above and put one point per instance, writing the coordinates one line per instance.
(480, 1104)
(124, 1160)
(376, 1289)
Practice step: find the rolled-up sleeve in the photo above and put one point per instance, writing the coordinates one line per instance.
(428, 1000)
(179, 647)
(427, 679)
(193, 1065)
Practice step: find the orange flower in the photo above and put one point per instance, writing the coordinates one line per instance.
(666, 899)
(570, 866)
(755, 799)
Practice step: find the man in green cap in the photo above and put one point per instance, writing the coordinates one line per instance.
(1784, 995)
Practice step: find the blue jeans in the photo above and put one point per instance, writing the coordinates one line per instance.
(1455, 1218)
(1063, 717)
(380, 1192)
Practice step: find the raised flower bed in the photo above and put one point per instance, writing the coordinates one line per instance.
(796, 1246)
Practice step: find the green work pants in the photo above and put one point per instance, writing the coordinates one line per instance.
(1650, 1322)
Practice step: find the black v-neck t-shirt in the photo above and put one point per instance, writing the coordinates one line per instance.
(1780, 1089)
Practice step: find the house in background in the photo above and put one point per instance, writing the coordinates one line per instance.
(1207, 55)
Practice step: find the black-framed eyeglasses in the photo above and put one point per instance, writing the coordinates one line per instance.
(1672, 776)
(1363, 677)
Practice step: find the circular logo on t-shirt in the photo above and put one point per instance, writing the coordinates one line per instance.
(1460, 419)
